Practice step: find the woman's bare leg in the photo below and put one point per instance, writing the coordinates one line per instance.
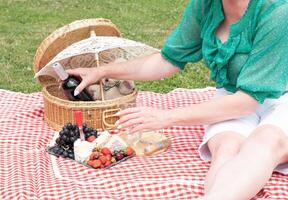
(245, 174)
(223, 147)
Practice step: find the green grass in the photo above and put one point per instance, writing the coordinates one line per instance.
(25, 23)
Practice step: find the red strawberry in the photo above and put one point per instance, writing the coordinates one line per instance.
(96, 163)
(108, 157)
(129, 151)
(103, 159)
(90, 163)
(106, 151)
(94, 155)
(91, 138)
(108, 162)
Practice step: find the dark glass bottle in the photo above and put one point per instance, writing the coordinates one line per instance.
(69, 84)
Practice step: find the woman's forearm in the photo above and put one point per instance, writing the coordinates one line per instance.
(217, 110)
(152, 67)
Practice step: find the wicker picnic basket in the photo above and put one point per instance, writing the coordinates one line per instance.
(57, 109)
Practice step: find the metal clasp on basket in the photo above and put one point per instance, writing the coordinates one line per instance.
(106, 114)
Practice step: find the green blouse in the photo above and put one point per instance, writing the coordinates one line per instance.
(254, 59)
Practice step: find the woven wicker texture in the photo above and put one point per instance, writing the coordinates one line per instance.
(57, 109)
(67, 35)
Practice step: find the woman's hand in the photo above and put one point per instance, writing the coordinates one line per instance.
(88, 76)
(216, 110)
(143, 68)
(143, 118)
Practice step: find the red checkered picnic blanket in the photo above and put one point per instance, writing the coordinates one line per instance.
(28, 172)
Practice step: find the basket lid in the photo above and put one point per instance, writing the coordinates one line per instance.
(67, 35)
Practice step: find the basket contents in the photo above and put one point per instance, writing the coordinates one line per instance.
(69, 84)
(112, 89)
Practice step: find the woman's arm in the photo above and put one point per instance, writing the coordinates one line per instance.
(219, 109)
(152, 67)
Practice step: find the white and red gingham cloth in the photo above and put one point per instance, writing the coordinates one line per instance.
(28, 172)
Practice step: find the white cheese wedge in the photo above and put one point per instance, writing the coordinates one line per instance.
(102, 139)
(116, 143)
(82, 149)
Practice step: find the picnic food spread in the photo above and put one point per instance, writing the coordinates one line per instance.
(101, 149)
(98, 150)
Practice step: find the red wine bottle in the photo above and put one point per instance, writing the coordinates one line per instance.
(69, 84)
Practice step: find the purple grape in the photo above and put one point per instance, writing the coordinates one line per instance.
(74, 127)
(60, 151)
(84, 125)
(72, 134)
(119, 156)
(54, 149)
(58, 140)
(62, 142)
(69, 126)
(73, 139)
(64, 138)
(65, 131)
(71, 155)
(65, 154)
(61, 133)
(95, 133)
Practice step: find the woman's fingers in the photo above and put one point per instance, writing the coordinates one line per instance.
(75, 72)
(128, 111)
(127, 117)
(142, 118)
(80, 87)
(131, 123)
(140, 127)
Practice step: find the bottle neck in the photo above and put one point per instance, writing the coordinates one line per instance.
(60, 71)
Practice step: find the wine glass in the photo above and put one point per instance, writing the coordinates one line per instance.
(133, 138)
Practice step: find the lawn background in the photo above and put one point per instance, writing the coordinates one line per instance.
(25, 23)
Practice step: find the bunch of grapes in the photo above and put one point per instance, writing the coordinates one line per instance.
(64, 146)
(89, 131)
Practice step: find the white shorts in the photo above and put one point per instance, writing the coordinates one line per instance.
(272, 111)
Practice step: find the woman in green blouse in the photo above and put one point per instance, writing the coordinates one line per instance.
(244, 44)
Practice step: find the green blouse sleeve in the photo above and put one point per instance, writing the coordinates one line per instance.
(265, 73)
(184, 43)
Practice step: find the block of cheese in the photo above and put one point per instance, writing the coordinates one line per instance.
(102, 139)
(116, 143)
(82, 149)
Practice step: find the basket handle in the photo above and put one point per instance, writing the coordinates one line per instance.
(93, 34)
(106, 114)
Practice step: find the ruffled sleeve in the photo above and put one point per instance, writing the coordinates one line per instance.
(184, 43)
(265, 73)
